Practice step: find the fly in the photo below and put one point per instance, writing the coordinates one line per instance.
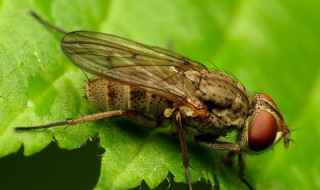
(154, 86)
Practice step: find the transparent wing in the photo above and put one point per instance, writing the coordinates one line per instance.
(153, 69)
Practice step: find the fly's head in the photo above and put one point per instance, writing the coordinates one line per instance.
(263, 127)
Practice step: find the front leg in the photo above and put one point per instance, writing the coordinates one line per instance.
(241, 166)
(234, 150)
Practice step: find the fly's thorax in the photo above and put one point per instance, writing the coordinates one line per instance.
(225, 98)
(263, 127)
(109, 95)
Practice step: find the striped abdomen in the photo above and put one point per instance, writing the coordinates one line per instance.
(108, 95)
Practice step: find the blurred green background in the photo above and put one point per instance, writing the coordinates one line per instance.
(270, 46)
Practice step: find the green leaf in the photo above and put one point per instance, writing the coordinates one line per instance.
(269, 46)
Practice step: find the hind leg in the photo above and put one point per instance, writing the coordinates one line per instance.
(130, 114)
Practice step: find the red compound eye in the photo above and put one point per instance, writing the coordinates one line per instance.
(263, 131)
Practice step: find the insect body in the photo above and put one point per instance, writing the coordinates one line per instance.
(153, 86)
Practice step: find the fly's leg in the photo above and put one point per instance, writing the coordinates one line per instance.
(206, 139)
(241, 166)
(234, 150)
(217, 145)
(46, 23)
(183, 146)
(140, 119)
(228, 159)
(130, 114)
